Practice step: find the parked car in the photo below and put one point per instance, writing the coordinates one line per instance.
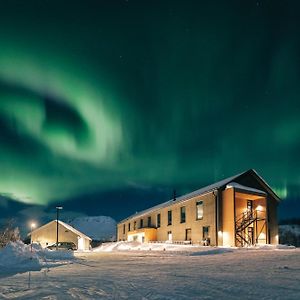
(63, 246)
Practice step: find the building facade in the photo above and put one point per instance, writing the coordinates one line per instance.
(46, 235)
(237, 211)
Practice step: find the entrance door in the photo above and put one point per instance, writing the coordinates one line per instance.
(188, 234)
(80, 243)
(250, 235)
(249, 205)
(170, 236)
(250, 208)
(206, 238)
(205, 232)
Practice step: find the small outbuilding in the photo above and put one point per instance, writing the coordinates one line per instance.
(46, 235)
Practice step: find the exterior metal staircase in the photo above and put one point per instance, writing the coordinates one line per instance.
(245, 225)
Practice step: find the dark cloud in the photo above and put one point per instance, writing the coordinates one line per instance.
(60, 116)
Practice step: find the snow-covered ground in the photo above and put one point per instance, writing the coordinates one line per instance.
(18, 257)
(120, 271)
(100, 228)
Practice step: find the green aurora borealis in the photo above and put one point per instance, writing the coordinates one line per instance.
(104, 95)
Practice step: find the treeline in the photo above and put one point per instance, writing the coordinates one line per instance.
(289, 234)
(9, 233)
(292, 221)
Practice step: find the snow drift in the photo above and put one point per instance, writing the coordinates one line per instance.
(137, 246)
(194, 250)
(17, 257)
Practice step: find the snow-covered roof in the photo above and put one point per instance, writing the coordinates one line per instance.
(244, 188)
(204, 190)
(67, 226)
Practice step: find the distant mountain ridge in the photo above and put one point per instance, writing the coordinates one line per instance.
(100, 228)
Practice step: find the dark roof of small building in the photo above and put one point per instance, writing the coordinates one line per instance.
(204, 190)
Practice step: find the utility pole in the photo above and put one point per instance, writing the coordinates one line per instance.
(57, 210)
(32, 226)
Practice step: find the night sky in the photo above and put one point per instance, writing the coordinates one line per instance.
(107, 106)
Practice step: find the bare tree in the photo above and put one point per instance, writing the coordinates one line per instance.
(9, 233)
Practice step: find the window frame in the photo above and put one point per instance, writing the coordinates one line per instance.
(182, 213)
(158, 220)
(199, 204)
(169, 217)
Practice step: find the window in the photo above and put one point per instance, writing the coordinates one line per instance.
(141, 223)
(182, 214)
(134, 225)
(128, 226)
(123, 228)
(169, 217)
(149, 221)
(158, 221)
(199, 210)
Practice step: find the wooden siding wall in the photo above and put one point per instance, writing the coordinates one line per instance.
(149, 234)
(228, 234)
(47, 236)
(262, 226)
(179, 229)
(273, 222)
